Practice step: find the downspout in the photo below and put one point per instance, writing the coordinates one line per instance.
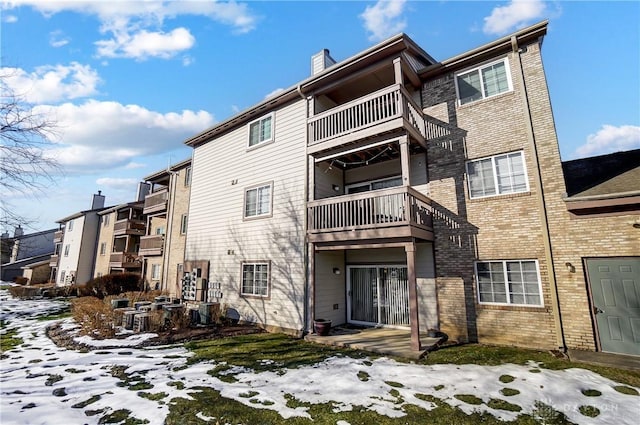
(168, 233)
(557, 317)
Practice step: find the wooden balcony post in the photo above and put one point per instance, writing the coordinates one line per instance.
(404, 160)
(414, 316)
(397, 71)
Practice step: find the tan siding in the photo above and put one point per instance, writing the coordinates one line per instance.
(106, 236)
(222, 169)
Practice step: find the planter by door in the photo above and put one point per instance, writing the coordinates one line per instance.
(322, 327)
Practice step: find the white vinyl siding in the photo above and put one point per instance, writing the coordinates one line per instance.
(484, 81)
(255, 279)
(514, 282)
(257, 201)
(218, 231)
(261, 131)
(497, 175)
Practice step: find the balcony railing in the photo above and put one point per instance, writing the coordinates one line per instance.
(376, 108)
(57, 236)
(156, 201)
(398, 206)
(129, 227)
(151, 245)
(53, 261)
(126, 260)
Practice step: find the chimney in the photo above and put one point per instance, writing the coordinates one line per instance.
(98, 201)
(143, 190)
(18, 231)
(321, 61)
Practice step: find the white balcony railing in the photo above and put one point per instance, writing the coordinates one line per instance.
(376, 108)
(398, 206)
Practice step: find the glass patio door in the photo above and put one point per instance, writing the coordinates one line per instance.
(378, 295)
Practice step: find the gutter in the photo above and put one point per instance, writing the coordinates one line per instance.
(544, 222)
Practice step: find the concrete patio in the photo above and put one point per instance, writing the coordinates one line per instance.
(392, 342)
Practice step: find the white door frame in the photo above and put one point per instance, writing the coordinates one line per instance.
(377, 267)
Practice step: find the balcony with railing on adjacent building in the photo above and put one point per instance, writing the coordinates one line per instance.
(156, 202)
(129, 227)
(399, 212)
(125, 260)
(151, 245)
(57, 236)
(53, 261)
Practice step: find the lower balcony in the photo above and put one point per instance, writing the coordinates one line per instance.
(57, 236)
(129, 227)
(151, 245)
(399, 212)
(125, 260)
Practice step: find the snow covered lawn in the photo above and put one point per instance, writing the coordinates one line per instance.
(120, 381)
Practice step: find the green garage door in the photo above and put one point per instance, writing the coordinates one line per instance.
(615, 287)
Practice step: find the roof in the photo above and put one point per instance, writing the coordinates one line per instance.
(121, 206)
(30, 235)
(396, 44)
(80, 214)
(165, 172)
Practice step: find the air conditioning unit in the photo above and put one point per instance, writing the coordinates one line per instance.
(209, 312)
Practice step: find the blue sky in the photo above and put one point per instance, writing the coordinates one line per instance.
(128, 82)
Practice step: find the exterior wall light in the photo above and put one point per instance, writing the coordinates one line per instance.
(336, 270)
(570, 267)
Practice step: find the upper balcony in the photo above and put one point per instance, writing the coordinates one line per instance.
(387, 110)
(399, 212)
(57, 236)
(156, 202)
(53, 261)
(129, 227)
(151, 245)
(125, 260)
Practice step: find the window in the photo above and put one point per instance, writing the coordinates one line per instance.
(99, 274)
(509, 282)
(155, 271)
(374, 185)
(497, 175)
(62, 273)
(482, 82)
(187, 176)
(66, 250)
(159, 230)
(70, 225)
(103, 248)
(255, 279)
(261, 130)
(257, 201)
(183, 224)
(105, 220)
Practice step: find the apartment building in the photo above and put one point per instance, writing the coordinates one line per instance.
(24, 249)
(120, 230)
(76, 244)
(166, 208)
(391, 189)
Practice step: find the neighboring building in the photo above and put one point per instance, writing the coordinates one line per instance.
(37, 272)
(166, 209)
(76, 245)
(23, 249)
(120, 230)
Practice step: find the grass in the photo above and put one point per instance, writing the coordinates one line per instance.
(60, 314)
(9, 340)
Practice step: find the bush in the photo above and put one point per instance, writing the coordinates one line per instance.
(21, 280)
(111, 284)
(95, 317)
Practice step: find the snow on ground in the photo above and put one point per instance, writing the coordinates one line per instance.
(41, 383)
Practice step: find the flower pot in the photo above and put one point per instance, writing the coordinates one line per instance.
(321, 327)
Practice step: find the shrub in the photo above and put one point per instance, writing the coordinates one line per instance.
(94, 316)
(21, 280)
(110, 284)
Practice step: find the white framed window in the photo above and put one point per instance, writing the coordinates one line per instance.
(66, 250)
(187, 176)
(62, 273)
(261, 131)
(497, 175)
(183, 224)
(70, 225)
(256, 279)
(155, 271)
(103, 248)
(513, 282)
(105, 220)
(257, 201)
(483, 81)
(374, 184)
(159, 230)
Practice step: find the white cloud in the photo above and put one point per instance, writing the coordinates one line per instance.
(135, 27)
(274, 92)
(57, 39)
(145, 44)
(134, 165)
(104, 135)
(117, 183)
(610, 139)
(517, 14)
(384, 19)
(10, 19)
(52, 83)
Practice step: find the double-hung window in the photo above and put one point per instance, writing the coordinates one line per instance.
(187, 176)
(514, 282)
(261, 130)
(255, 279)
(257, 201)
(484, 81)
(66, 250)
(183, 224)
(497, 175)
(155, 271)
(103, 248)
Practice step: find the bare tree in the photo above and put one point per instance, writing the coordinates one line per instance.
(25, 166)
